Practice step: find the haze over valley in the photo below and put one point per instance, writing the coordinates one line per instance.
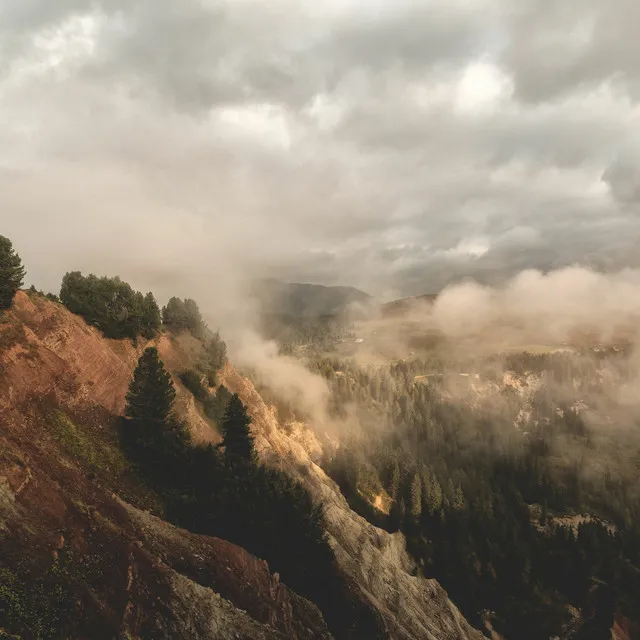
(319, 320)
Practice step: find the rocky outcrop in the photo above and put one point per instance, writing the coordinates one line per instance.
(410, 607)
(148, 578)
(51, 352)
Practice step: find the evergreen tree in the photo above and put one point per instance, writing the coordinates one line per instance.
(434, 499)
(11, 272)
(194, 320)
(416, 496)
(151, 318)
(151, 393)
(183, 315)
(237, 440)
(174, 315)
(213, 358)
(394, 480)
(110, 304)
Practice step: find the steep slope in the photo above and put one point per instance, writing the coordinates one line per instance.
(51, 360)
(111, 568)
(377, 562)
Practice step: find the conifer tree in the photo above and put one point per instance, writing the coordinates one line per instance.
(416, 496)
(394, 481)
(237, 440)
(213, 357)
(434, 499)
(151, 393)
(151, 317)
(11, 272)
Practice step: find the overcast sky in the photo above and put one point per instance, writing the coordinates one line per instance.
(394, 145)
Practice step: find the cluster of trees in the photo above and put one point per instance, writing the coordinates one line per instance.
(292, 332)
(117, 309)
(11, 273)
(183, 315)
(464, 484)
(111, 305)
(120, 312)
(224, 491)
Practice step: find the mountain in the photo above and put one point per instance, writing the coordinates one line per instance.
(78, 526)
(299, 300)
(403, 306)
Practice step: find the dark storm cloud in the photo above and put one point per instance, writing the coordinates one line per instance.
(556, 48)
(397, 146)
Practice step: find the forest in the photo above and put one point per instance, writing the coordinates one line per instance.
(483, 504)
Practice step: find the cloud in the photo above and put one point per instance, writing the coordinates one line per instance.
(623, 176)
(395, 146)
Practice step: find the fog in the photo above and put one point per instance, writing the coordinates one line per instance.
(400, 147)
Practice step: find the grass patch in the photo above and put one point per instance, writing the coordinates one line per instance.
(88, 450)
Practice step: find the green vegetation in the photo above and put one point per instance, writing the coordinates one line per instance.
(225, 492)
(111, 305)
(213, 357)
(192, 380)
(11, 273)
(215, 405)
(465, 484)
(183, 315)
(32, 291)
(237, 438)
(151, 393)
(91, 452)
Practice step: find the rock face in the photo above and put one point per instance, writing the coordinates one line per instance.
(409, 607)
(159, 581)
(152, 580)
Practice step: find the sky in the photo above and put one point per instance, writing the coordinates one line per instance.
(393, 145)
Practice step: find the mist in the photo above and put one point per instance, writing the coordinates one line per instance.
(396, 147)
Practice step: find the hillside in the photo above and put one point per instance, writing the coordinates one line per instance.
(301, 300)
(67, 493)
(403, 306)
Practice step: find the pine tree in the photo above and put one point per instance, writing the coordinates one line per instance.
(416, 496)
(434, 499)
(11, 272)
(174, 315)
(213, 358)
(394, 480)
(151, 393)
(237, 440)
(151, 317)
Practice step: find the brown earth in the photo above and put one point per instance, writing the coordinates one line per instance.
(153, 579)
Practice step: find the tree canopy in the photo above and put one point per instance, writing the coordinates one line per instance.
(213, 357)
(111, 305)
(12, 272)
(183, 315)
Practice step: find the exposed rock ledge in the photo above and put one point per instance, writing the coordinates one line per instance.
(411, 607)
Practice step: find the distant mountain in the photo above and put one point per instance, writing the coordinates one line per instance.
(301, 300)
(401, 307)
